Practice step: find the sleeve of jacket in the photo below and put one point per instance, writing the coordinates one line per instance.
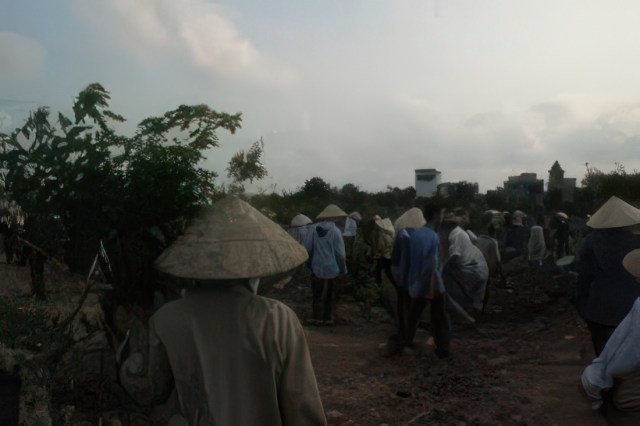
(298, 394)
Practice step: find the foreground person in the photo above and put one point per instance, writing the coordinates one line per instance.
(613, 378)
(234, 358)
(605, 290)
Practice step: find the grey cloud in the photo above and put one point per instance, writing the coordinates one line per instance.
(554, 114)
(483, 119)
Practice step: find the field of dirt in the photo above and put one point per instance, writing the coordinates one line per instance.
(518, 365)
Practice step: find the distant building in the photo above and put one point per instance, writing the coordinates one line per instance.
(526, 188)
(427, 181)
(560, 186)
(462, 189)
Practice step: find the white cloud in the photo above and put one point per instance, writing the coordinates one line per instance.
(20, 57)
(172, 29)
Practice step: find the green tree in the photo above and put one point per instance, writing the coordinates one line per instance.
(601, 186)
(79, 182)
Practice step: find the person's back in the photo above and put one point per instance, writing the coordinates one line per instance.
(491, 252)
(233, 358)
(536, 247)
(238, 358)
(299, 233)
(326, 250)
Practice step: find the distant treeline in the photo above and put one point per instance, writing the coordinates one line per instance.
(316, 193)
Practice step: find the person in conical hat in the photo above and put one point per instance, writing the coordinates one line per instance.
(616, 370)
(465, 271)
(232, 356)
(516, 236)
(381, 243)
(299, 228)
(605, 290)
(414, 263)
(327, 260)
(349, 235)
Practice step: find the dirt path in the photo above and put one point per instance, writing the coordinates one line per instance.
(526, 374)
(518, 365)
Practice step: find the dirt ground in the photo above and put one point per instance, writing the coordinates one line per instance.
(518, 365)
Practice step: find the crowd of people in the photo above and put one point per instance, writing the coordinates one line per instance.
(429, 256)
(433, 257)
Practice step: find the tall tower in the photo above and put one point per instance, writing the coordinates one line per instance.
(556, 177)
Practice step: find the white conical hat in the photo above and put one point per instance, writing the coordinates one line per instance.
(355, 216)
(412, 218)
(300, 220)
(631, 262)
(231, 240)
(615, 213)
(331, 211)
(386, 225)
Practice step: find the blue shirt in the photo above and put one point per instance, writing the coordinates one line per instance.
(414, 258)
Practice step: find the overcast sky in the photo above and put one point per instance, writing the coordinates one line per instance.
(359, 92)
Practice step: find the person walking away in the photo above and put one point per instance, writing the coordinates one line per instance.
(562, 236)
(612, 380)
(349, 235)
(300, 228)
(605, 290)
(537, 249)
(517, 235)
(415, 259)
(465, 271)
(327, 261)
(490, 249)
(384, 235)
(230, 356)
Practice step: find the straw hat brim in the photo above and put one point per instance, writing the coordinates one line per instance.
(615, 213)
(356, 216)
(300, 220)
(231, 240)
(331, 211)
(386, 225)
(412, 218)
(631, 262)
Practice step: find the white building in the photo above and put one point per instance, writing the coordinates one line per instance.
(427, 181)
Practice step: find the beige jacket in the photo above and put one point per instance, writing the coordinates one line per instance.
(237, 359)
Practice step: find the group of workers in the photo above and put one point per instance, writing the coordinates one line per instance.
(262, 374)
(425, 255)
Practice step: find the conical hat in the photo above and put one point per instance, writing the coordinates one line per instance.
(355, 216)
(331, 211)
(412, 218)
(231, 240)
(631, 262)
(615, 213)
(300, 220)
(386, 225)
